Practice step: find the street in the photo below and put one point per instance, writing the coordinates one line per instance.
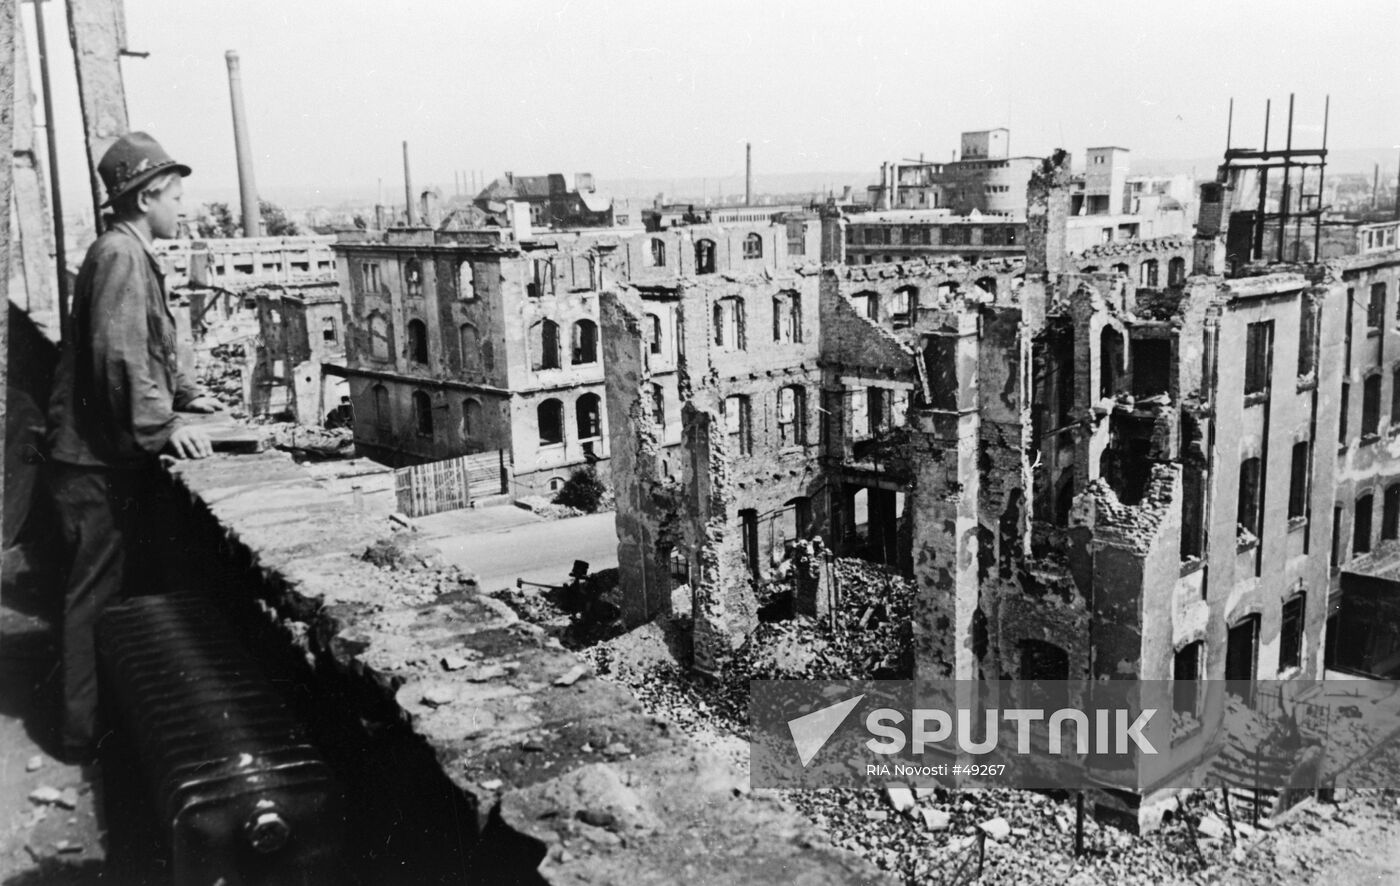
(501, 544)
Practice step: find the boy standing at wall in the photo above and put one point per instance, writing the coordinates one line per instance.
(113, 408)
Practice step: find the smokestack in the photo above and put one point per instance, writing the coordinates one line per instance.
(748, 173)
(247, 188)
(408, 190)
(1376, 188)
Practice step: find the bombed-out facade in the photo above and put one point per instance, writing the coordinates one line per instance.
(1089, 470)
(485, 341)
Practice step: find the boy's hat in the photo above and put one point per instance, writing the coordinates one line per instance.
(133, 160)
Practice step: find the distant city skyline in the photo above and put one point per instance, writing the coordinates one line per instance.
(643, 91)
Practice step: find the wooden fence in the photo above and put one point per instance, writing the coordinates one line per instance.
(451, 484)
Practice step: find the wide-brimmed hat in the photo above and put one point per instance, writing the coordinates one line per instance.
(133, 160)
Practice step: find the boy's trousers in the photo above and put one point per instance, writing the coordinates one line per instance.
(105, 515)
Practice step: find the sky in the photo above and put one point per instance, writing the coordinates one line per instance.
(629, 89)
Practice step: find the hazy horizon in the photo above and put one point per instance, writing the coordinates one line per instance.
(650, 92)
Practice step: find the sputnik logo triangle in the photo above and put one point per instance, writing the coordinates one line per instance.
(811, 731)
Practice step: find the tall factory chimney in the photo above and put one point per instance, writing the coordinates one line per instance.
(748, 173)
(247, 188)
(408, 190)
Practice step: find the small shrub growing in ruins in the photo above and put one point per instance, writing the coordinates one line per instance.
(583, 491)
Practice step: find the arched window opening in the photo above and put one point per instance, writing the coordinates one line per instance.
(753, 246)
(423, 412)
(658, 252)
(550, 416)
(330, 333)
(413, 277)
(704, 256)
(587, 415)
(585, 344)
(544, 340)
(1176, 271)
(471, 418)
(418, 341)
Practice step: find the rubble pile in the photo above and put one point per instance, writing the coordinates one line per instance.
(924, 835)
(869, 635)
(221, 374)
(306, 442)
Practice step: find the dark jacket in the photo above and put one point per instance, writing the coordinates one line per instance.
(118, 381)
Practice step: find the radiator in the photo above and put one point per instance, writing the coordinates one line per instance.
(242, 795)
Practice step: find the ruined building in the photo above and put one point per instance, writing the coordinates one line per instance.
(485, 341)
(975, 208)
(1089, 472)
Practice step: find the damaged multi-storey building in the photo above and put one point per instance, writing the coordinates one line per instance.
(1089, 470)
(485, 341)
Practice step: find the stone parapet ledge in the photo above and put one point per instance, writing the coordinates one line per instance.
(588, 787)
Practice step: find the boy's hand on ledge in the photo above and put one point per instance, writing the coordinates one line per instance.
(191, 442)
(203, 404)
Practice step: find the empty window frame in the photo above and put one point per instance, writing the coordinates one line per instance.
(1290, 635)
(550, 418)
(1258, 358)
(1375, 308)
(471, 418)
(466, 281)
(1390, 512)
(729, 323)
(588, 416)
(753, 246)
(1298, 485)
(418, 342)
(1361, 526)
(1371, 406)
(544, 340)
(737, 424)
(792, 416)
(413, 277)
(704, 256)
(541, 278)
(787, 317)
(585, 342)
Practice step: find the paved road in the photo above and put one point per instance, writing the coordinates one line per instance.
(501, 544)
